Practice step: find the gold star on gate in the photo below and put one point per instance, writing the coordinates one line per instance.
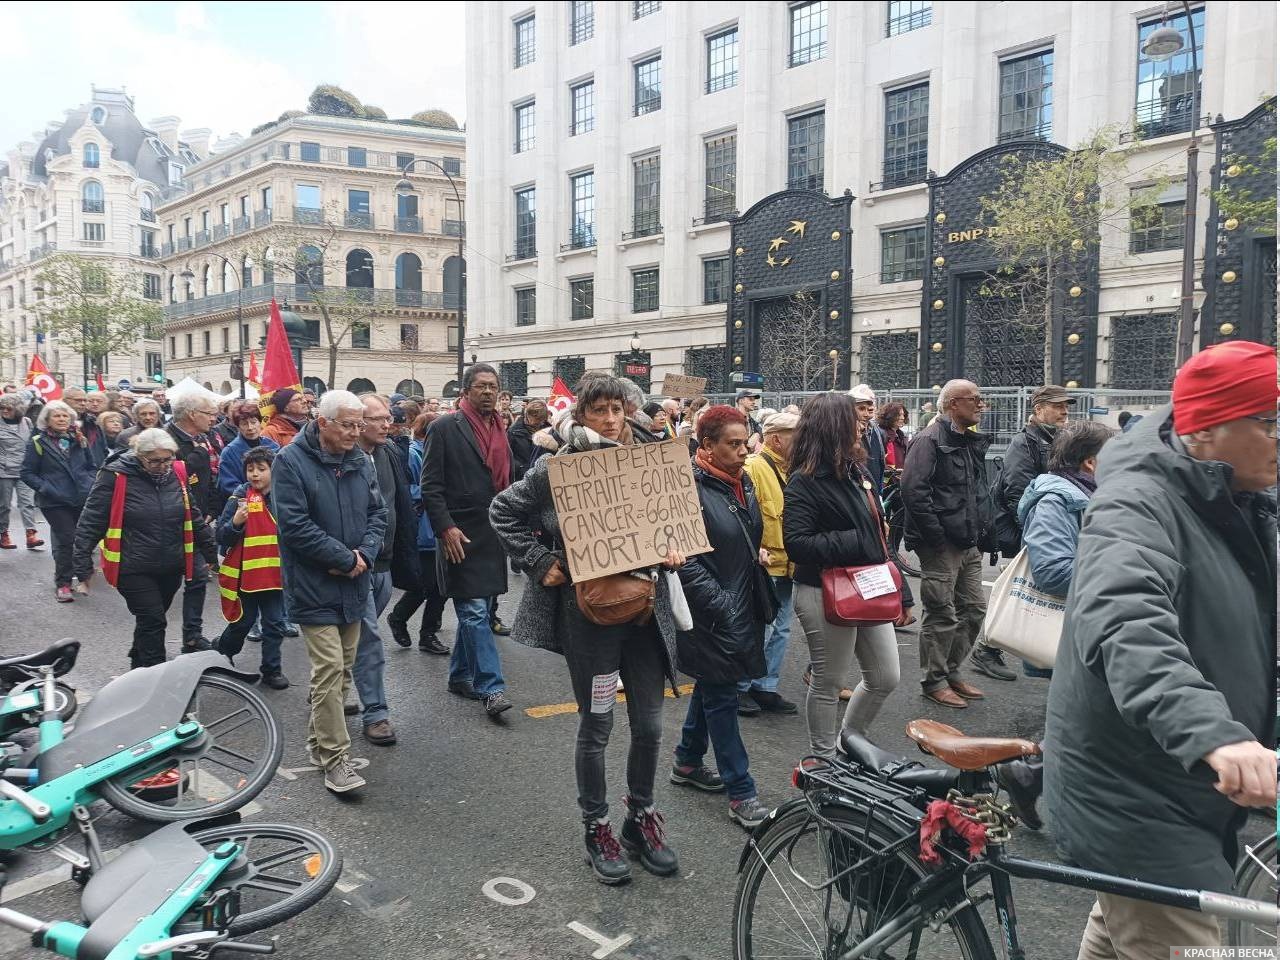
(776, 242)
(770, 261)
(786, 261)
(797, 227)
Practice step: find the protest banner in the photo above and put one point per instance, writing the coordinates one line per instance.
(677, 386)
(622, 508)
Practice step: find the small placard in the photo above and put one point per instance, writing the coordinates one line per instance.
(875, 581)
(678, 386)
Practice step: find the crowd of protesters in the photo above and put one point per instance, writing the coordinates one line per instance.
(313, 513)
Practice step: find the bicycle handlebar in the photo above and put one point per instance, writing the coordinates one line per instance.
(1239, 908)
(20, 921)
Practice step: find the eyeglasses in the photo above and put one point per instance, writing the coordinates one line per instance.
(977, 398)
(1269, 425)
(156, 461)
(348, 424)
(382, 419)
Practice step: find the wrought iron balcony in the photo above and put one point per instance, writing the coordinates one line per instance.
(408, 224)
(308, 215)
(149, 251)
(453, 228)
(644, 225)
(40, 252)
(166, 249)
(812, 182)
(580, 239)
(408, 298)
(240, 224)
(906, 170)
(262, 218)
(306, 293)
(357, 219)
(202, 238)
(147, 215)
(523, 252)
(93, 206)
(184, 243)
(221, 231)
(715, 213)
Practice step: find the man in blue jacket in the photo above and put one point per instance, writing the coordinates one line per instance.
(331, 519)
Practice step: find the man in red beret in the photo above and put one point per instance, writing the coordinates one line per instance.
(1161, 715)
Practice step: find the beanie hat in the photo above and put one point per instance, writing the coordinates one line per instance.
(1223, 382)
(280, 399)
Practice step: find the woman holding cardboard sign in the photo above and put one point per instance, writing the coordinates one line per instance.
(552, 616)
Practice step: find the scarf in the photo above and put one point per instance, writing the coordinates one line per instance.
(1086, 482)
(492, 438)
(708, 467)
(579, 439)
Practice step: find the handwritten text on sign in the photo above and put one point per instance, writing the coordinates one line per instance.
(626, 507)
(677, 385)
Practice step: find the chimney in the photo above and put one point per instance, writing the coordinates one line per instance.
(198, 140)
(166, 128)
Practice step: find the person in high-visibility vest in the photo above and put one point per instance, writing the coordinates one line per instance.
(250, 578)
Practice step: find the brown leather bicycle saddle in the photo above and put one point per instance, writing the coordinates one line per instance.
(967, 753)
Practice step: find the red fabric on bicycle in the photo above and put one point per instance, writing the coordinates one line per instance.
(941, 814)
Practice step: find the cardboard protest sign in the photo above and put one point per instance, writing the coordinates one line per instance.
(622, 508)
(676, 385)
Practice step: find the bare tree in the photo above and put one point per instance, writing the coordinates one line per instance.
(793, 348)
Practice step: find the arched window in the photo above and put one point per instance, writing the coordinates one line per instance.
(453, 282)
(228, 277)
(91, 156)
(246, 271)
(269, 266)
(309, 268)
(91, 197)
(314, 384)
(408, 280)
(191, 293)
(99, 115)
(360, 269)
(410, 388)
(206, 276)
(361, 385)
(147, 202)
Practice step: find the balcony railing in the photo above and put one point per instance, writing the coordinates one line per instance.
(409, 298)
(6, 266)
(304, 293)
(580, 240)
(240, 224)
(40, 252)
(523, 252)
(453, 228)
(357, 219)
(905, 170)
(147, 215)
(166, 249)
(715, 213)
(149, 251)
(811, 182)
(308, 215)
(184, 243)
(643, 225)
(408, 224)
(262, 218)
(93, 206)
(202, 238)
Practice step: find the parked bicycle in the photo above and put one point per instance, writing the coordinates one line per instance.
(839, 873)
(21, 679)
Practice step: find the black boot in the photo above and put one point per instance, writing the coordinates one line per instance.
(644, 837)
(1023, 780)
(604, 854)
(400, 632)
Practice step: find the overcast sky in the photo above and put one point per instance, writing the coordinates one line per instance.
(227, 66)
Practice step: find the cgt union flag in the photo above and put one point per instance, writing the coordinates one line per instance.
(42, 381)
(561, 397)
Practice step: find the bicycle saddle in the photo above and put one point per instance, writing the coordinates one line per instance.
(899, 770)
(967, 753)
(61, 656)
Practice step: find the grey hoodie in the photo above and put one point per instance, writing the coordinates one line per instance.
(13, 446)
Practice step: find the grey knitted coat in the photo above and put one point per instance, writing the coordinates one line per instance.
(516, 513)
(13, 446)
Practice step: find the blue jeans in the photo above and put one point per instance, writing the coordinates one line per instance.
(370, 669)
(713, 715)
(475, 657)
(776, 636)
(268, 606)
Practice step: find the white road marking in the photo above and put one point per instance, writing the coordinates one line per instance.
(490, 890)
(606, 945)
(352, 879)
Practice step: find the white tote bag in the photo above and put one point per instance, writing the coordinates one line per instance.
(1021, 619)
(679, 605)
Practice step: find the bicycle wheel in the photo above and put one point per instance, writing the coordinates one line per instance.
(220, 771)
(1255, 880)
(65, 700)
(282, 870)
(778, 915)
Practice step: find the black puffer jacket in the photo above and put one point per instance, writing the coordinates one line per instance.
(828, 523)
(151, 537)
(520, 439)
(726, 644)
(200, 478)
(1026, 458)
(942, 482)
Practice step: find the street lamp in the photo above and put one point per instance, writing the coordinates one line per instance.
(228, 265)
(635, 342)
(1162, 44)
(405, 188)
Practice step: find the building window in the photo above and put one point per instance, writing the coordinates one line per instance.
(890, 360)
(646, 177)
(173, 348)
(526, 306)
(360, 335)
(96, 232)
(582, 298)
(582, 99)
(721, 196)
(224, 211)
(582, 21)
(569, 369)
(306, 203)
(808, 32)
(804, 151)
(151, 286)
(722, 60)
(266, 198)
(524, 40)
(524, 118)
(408, 336)
(357, 157)
(644, 290)
(186, 226)
(1165, 87)
(526, 223)
(901, 255)
(358, 214)
(583, 225)
(155, 362)
(190, 341)
(906, 135)
(907, 16)
(92, 157)
(1026, 97)
(715, 280)
(1143, 348)
(310, 152)
(226, 339)
(204, 221)
(404, 160)
(643, 8)
(514, 376)
(648, 74)
(1157, 226)
(91, 197)
(709, 362)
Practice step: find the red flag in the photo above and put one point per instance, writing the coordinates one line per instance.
(101, 386)
(278, 370)
(41, 380)
(253, 370)
(561, 398)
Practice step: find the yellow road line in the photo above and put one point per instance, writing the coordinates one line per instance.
(557, 709)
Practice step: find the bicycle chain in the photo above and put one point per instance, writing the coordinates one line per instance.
(996, 816)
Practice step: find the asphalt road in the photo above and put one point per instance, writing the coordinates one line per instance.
(463, 800)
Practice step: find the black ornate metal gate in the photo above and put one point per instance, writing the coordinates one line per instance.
(793, 343)
(1000, 349)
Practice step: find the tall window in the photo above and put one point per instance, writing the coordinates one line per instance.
(91, 197)
(358, 214)
(721, 196)
(582, 100)
(583, 192)
(357, 157)
(808, 31)
(360, 335)
(306, 203)
(526, 223)
(151, 286)
(526, 306)
(906, 135)
(646, 175)
(642, 8)
(582, 21)
(266, 198)
(224, 211)
(901, 255)
(525, 40)
(96, 232)
(722, 60)
(207, 339)
(1165, 87)
(91, 155)
(408, 336)
(524, 118)
(582, 298)
(644, 290)
(310, 152)
(1159, 225)
(805, 137)
(907, 16)
(648, 85)
(715, 280)
(189, 340)
(226, 339)
(1026, 97)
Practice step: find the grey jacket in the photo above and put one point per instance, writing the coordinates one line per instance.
(13, 446)
(1050, 514)
(516, 513)
(1167, 653)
